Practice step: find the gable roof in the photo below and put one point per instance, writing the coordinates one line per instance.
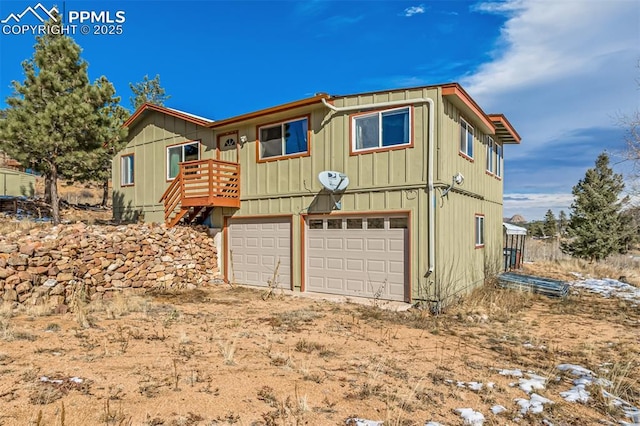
(192, 118)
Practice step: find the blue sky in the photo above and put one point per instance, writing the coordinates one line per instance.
(563, 71)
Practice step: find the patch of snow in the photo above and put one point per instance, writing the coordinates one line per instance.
(629, 410)
(529, 345)
(76, 380)
(471, 417)
(497, 409)
(534, 405)
(577, 393)
(608, 287)
(575, 370)
(511, 373)
(363, 422)
(533, 382)
(433, 424)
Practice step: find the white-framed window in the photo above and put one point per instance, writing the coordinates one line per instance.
(177, 154)
(284, 138)
(479, 230)
(466, 138)
(126, 170)
(381, 129)
(490, 154)
(498, 165)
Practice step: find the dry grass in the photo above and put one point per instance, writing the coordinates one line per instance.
(226, 356)
(546, 259)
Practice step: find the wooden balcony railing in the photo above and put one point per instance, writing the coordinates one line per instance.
(201, 184)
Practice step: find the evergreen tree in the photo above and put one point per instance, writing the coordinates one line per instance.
(535, 229)
(96, 165)
(54, 116)
(148, 91)
(562, 223)
(596, 226)
(550, 226)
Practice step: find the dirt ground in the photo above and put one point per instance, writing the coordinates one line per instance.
(222, 355)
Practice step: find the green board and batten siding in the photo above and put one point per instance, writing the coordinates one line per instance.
(383, 182)
(16, 183)
(152, 134)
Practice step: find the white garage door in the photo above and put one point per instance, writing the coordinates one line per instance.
(255, 248)
(358, 256)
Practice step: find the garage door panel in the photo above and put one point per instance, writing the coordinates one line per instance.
(376, 244)
(257, 246)
(356, 261)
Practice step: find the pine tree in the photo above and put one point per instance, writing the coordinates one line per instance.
(550, 226)
(562, 223)
(148, 91)
(54, 117)
(596, 226)
(95, 165)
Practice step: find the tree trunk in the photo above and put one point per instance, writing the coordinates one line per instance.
(47, 188)
(53, 188)
(105, 192)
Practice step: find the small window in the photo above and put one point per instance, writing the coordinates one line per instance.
(375, 223)
(479, 231)
(283, 139)
(499, 160)
(179, 153)
(127, 170)
(490, 160)
(334, 223)
(398, 223)
(382, 129)
(354, 223)
(315, 224)
(466, 138)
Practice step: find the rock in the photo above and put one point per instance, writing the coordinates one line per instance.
(8, 248)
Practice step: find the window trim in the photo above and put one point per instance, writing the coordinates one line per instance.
(490, 153)
(379, 112)
(133, 175)
(479, 220)
(182, 144)
(498, 160)
(306, 153)
(467, 126)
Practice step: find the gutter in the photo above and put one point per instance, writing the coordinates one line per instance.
(430, 144)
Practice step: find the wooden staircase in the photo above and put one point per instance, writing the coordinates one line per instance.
(200, 186)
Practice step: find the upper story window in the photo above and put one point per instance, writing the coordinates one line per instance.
(179, 153)
(466, 138)
(490, 155)
(284, 139)
(126, 170)
(499, 149)
(381, 129)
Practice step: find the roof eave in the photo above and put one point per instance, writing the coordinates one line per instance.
(168, 111)
(504, 129)
(461, 99)
(272, 110)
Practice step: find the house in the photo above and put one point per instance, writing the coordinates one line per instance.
(14, 181)
(420, 220)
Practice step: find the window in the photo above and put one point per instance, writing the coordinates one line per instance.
(466, 138)
(381, 129)
(354, 223)
(179, 153)
(334, 223)
(499, 149)
(126, 170)
(479, 231)
(375, 223)
(288, 138)
(490, 161)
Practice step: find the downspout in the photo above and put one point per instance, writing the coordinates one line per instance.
(430, 162)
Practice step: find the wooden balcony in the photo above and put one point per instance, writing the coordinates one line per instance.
(200, 186)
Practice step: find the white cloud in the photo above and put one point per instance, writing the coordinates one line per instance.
(414, 10)
(534, 206)
(560, 66)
